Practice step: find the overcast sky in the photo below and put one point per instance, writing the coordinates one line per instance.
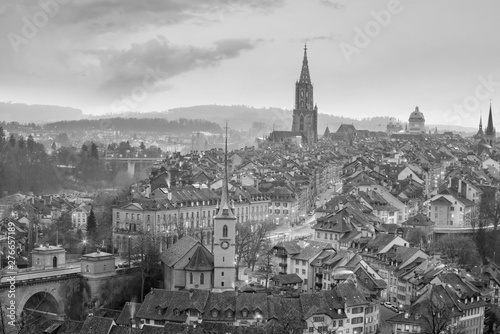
(366, 57)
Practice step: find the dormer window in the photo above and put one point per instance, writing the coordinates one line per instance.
(244, 313)
(215, 313)
(177, 312)
(229, 314)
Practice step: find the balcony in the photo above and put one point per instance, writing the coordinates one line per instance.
(319, 275)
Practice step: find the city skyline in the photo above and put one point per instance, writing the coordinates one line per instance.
(380, 58)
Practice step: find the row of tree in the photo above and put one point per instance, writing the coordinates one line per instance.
(25, 166)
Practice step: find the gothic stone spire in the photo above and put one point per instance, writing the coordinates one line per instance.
(304, 73)
(490, 131)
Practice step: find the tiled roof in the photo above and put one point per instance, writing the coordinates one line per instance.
(311, 249)
(107, 313)
(171, 305)
(351, 295)
(125, 315)
(96, 325)
(221, 302)
(172, 255)
(419, 220)
(287, 279)
(252, 302)
(202, 260)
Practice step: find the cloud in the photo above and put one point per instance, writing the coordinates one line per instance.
(160, 61)
(115, 15)
(333, 4)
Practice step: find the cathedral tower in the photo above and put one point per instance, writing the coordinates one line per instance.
(224, 238)
(305, 113)
(490, 133)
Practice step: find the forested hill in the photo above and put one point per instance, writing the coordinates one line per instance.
(178, 126)
(262, 120)
(25, 113)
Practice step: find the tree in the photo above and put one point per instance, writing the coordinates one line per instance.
(92, 228)
(460, 249)
(12, 140)
(265, 262)
(142, 147)
(146, 257)
(437, 312)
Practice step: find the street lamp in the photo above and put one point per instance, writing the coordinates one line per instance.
(84, 246)
(129, 251)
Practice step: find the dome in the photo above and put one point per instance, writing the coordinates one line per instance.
(417, 115)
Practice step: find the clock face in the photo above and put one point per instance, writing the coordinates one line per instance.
(224, 244)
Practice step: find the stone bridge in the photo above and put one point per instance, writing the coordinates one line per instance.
(131, 162)
(40, 291)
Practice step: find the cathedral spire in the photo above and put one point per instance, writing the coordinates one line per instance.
(224, 208)
(481, 122)
(490, 131)
(304, 73)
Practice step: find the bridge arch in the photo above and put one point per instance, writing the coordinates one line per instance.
(49, 294)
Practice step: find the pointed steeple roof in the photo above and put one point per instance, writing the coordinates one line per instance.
(480, 133)
(327, 132)
(304, 73)
(490, 131)
(224, 208)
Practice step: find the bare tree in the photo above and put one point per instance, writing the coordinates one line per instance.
(146, 257)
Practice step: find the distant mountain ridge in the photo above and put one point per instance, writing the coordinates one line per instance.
(36, 113)
(240, 117)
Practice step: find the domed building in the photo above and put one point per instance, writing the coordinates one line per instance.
(416, 122)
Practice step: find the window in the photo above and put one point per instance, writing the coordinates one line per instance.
(304, 262)
(38, 261)
(311, 329)
(407, 328)
(297, 262)
(117, 215)
(224, 231)
(296, 270)
(104, 267)
(341, 323)
(87, 269)
(215, 313)
(358, 320)
(222, 273)
(356, 310)
(244, 313)
(190, 278)
(229, 314)
(318, 319)
(303, 271)
(221, 283)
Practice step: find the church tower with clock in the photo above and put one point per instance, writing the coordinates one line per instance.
(224, 239)
(305, 113)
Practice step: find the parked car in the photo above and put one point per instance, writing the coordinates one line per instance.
(391, 306)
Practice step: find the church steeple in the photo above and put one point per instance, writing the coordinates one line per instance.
(481, 123)
(304, 73)
(225, 208)
(490, 131)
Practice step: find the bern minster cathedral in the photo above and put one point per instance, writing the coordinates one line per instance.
(305, 112)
